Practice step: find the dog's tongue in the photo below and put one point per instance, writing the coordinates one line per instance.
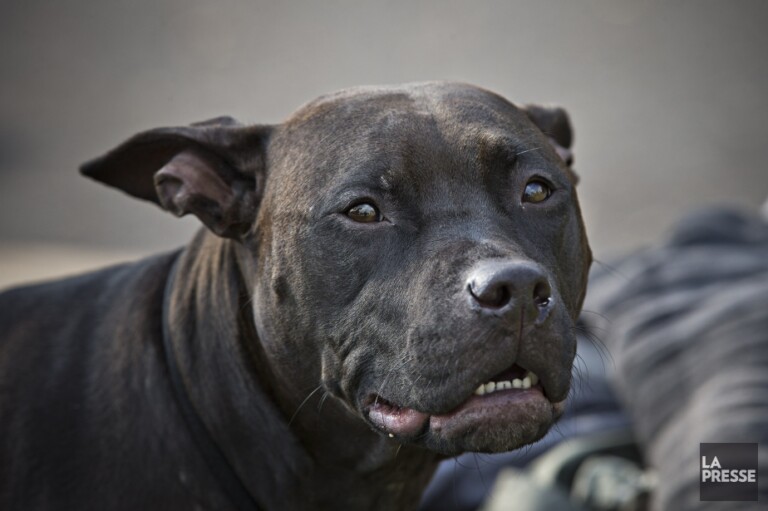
(397, 421)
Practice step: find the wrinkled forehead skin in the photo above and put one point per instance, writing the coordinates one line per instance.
(402, 130)
(446, 165)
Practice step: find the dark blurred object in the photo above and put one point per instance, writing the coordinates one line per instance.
(687, 328)
(598, 472)
(612, 483)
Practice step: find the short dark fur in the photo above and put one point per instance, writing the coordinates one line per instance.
(285, 315)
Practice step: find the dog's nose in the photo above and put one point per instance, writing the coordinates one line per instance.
(504, 286)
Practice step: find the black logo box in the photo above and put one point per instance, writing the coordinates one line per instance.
(732, 456)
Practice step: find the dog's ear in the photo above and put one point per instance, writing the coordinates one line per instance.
(554, 122)
(213, 169)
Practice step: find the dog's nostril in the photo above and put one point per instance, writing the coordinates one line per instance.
(542, 295)
(491, 296)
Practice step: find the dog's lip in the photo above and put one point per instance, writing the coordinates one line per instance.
(502, 408)
(509, 405)
(396, 420)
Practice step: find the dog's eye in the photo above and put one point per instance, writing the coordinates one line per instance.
(536, 191)
(364, 213)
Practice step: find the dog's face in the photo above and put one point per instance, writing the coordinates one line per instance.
(418, 250)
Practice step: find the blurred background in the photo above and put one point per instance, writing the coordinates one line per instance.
(668, 99)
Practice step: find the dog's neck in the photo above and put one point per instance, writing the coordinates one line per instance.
(328, 457)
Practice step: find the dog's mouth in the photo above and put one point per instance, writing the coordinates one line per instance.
(509, 410)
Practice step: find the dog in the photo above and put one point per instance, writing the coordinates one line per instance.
(388, 278)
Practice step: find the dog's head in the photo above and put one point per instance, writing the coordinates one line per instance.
(418, 250)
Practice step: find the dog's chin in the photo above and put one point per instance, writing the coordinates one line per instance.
(498, 422)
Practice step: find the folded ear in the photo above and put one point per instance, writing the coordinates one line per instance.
(214, 169)
(554, 122)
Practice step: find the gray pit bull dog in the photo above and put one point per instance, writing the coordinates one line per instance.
(389, 277)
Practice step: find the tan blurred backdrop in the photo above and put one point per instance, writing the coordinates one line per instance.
(668, 99)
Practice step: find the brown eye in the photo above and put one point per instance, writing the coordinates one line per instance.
(536, 191)
(363, 213)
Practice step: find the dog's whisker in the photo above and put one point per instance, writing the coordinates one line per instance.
(599, 345)
(602, 316)
(580, 377)
(306, 399)
(612, 269)
(480, 473)
(528, 151)
(322, 401)
(461, 464)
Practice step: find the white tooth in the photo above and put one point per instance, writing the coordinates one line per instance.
(527, 382)
(490, 387)
(503, 385)
(517, 383)
(479, 391)
(534, 378)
